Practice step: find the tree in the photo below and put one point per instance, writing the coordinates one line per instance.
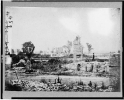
(28, 48)
(89, 47)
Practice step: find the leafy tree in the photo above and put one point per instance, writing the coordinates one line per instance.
(28, 48)
(89, 47)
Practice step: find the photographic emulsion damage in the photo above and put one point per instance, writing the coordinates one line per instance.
(62, 49)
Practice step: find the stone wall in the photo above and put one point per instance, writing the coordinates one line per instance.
(89, 66)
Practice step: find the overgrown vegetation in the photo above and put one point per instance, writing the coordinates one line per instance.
(10, 87)
(115, 78)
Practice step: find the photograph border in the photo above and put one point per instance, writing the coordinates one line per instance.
(45, 4)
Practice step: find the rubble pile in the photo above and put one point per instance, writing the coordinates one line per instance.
(40, 86)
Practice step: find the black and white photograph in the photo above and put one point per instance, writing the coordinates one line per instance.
(63, 49)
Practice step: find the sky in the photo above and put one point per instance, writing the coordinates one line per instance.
(50, 27)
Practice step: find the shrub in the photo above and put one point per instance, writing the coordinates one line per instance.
(63, 73)
(10, 87)
(54, 61)
(37, 66)
(43, 80)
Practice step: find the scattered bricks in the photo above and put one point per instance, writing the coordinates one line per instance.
(93, 90)
(98, 87)
(79, 87)
(86, 88)
(107, 90)
(56, 88)
(40, 86)
(100, 90)
(75, 87)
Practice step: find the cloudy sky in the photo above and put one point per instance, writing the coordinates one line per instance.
(49, 27)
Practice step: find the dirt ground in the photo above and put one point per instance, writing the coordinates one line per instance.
(112, 79)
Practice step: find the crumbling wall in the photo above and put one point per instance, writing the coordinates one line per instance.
(89, 66)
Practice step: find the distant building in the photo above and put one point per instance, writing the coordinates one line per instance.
(60, 51)
(74, 48)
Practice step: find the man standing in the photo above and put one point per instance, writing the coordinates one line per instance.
(93, 57)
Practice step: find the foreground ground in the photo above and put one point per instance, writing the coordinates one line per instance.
(71, 81)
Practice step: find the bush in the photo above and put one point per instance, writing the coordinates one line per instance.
(53, 61)
(63, 73)
(51, 65)
(50, 68)
(10, 87)
(43, 80)
(37, 66)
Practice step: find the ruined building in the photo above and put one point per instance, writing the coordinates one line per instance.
(77, 50)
